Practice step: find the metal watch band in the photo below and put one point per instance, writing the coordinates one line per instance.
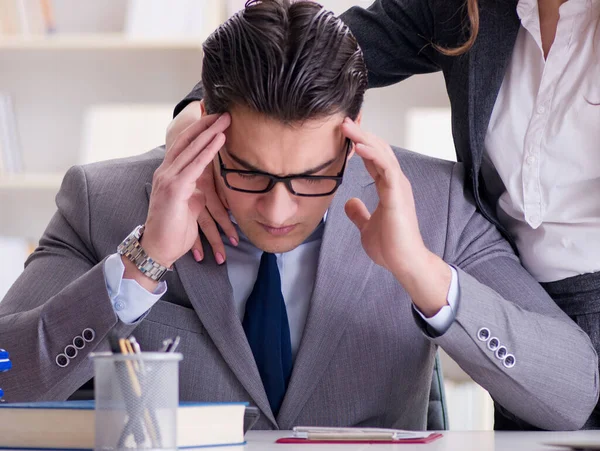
(132, 249)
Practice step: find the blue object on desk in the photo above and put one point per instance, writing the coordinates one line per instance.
(5, 365)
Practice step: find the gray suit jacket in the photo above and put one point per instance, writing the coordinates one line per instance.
(365, 359)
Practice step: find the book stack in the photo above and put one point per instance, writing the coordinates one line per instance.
(10, 146)
(71, 425)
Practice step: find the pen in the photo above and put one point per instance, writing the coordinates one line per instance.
(147, 381)
(174, 345)
(134, 421)
(166, 344)
(128, 375)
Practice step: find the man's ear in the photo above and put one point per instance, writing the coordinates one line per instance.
(202, 108)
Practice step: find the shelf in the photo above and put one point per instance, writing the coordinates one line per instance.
(96, 41)
(31, 181)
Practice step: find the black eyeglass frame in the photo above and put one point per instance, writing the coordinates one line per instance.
(287, 181)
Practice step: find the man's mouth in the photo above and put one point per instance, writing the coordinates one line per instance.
(278, 231)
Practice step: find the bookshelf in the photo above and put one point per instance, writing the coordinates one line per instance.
(53, 81)
(94, 41)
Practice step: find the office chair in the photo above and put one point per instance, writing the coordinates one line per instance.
(437, 413)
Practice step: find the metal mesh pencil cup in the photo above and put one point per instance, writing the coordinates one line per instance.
(137, 397)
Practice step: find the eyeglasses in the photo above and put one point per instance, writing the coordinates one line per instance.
(299, 185)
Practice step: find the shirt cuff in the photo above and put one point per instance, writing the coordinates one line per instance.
(129, 299)
(442, 320)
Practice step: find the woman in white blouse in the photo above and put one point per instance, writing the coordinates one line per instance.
(523, 77)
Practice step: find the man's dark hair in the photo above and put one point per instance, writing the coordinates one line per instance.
(291, 61)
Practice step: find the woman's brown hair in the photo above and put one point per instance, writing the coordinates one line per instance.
(473, 13)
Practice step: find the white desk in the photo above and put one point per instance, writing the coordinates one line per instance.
(455, 441)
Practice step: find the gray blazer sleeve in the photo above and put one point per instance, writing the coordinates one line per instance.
(554, 382)
(61, 292)
(395, 37)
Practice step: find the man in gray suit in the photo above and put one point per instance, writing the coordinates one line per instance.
(330, 308)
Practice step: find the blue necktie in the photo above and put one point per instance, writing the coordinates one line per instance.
(268, 331)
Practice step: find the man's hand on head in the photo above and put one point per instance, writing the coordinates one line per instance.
(176, 203)
(390, 235)
(214, 212)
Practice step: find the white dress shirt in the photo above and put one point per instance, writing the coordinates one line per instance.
(297, 268)
(543, 141)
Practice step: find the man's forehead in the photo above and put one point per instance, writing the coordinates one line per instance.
(247, 121)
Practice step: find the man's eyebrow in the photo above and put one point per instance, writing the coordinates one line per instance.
(251, 167)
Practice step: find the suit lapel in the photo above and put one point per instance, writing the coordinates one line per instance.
(343, 270)
(210, 293)
(488, 60)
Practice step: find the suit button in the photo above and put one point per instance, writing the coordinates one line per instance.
(88, 334)
(501, 352)
(62, 360)
(79, 342)
(509, 361)
(493, 344)
(483, 334)
(71, 351)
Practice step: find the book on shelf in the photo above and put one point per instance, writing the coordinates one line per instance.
(10, 145)
(70, 425)
(173, 19)
(26, 17)
(119, 130)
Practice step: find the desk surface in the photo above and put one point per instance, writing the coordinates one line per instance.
(452, 440)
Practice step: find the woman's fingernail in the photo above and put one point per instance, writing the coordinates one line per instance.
(220, 259)
(197, 255)
(233, 241)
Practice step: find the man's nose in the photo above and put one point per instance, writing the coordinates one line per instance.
(278, 205)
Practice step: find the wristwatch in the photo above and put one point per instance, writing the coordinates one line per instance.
(133, 250)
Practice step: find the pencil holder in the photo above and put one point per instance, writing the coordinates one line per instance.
(136, 400)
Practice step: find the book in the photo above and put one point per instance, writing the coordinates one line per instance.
(23, 17)
(70, 425)
(10, 144)
(10, 19)
(47, 13)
